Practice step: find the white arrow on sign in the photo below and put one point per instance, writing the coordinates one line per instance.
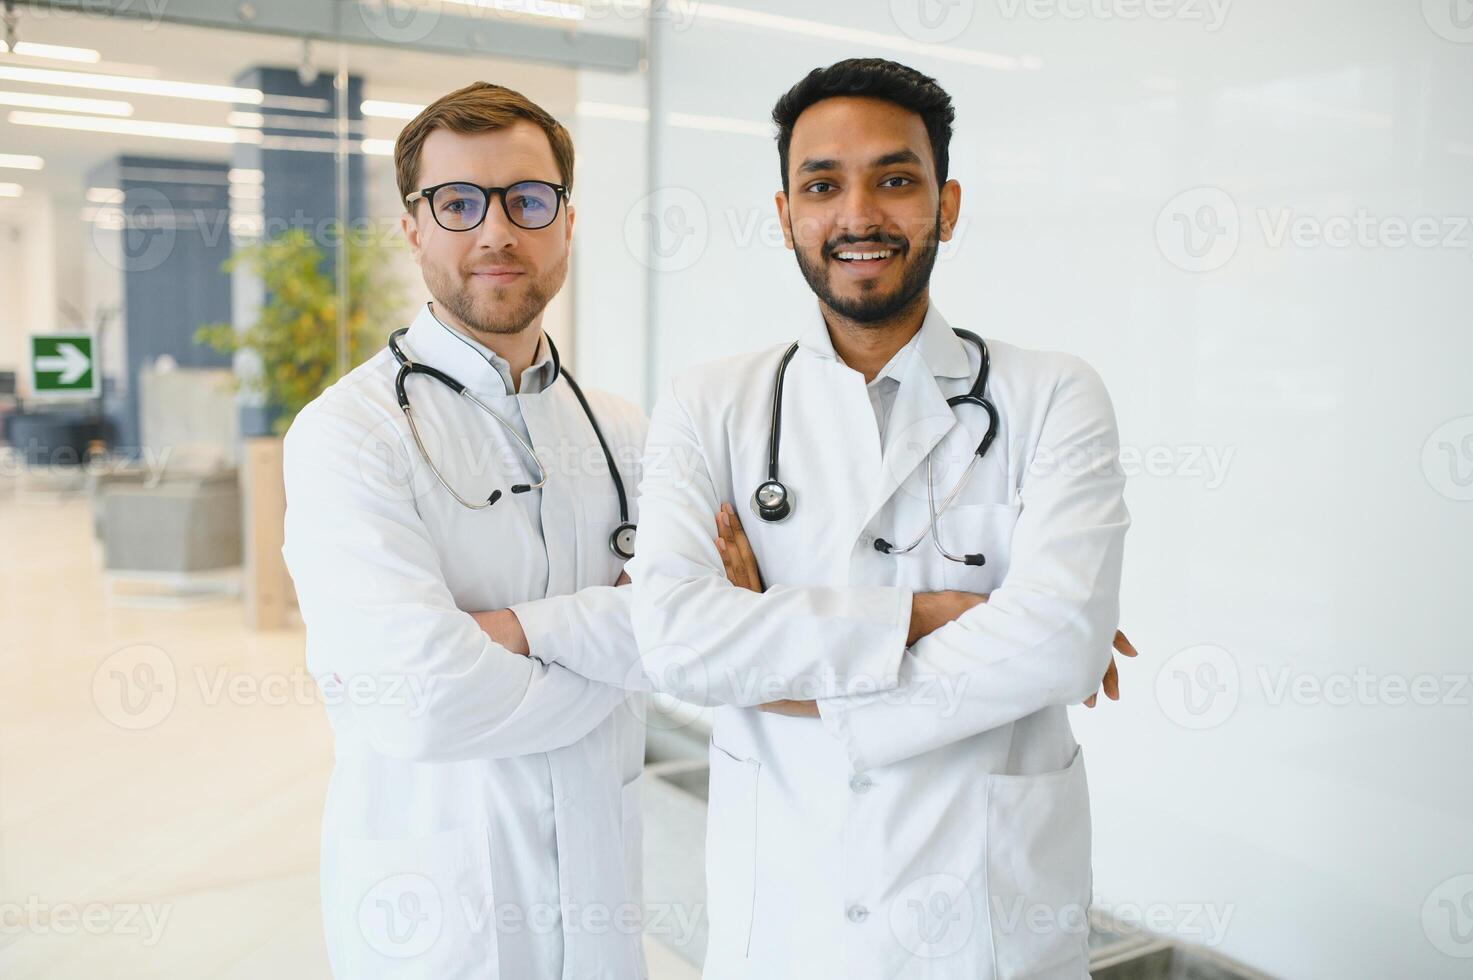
(69, 360)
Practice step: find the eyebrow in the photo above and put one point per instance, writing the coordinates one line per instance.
(812, 166)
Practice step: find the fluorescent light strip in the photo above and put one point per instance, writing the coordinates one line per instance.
(105, 195)
(135, 86)
(10, 190)
(132, 127)
(679, 120)
(21, 161)
(62, 103)
(718, 124)
(381, 109)
(611, 110)
(534, 8)
(697, 10)
(57, 52)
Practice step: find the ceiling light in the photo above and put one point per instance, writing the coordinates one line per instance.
(58, 52)
(21, 161)
(62, 103)
(390, 110)
(135, 86)
(130, 127)
(10, 190)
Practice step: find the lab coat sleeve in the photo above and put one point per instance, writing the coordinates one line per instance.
(710, 642)
(380, 616)
(589, 631)
(1044, 636)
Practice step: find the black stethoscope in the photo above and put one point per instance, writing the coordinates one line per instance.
(621, 541)
(773, 501)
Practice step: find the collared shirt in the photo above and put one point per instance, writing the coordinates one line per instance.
(886, 384)
(538, 375)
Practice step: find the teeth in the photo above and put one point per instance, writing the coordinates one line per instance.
(853, 256)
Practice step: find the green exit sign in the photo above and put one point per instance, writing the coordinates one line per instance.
(63, 364)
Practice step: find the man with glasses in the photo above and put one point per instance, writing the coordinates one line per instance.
(483, 810)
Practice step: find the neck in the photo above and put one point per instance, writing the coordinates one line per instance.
(517, 349)
(868, 347)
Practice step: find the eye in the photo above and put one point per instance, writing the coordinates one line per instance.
(819, 187)
(896, 181)
(527, 203)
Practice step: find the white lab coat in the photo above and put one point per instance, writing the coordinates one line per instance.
(483, 815)
(935, 822)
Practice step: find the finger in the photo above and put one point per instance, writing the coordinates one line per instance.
(1089, 702)
(742, 560)
(744, 548)
(1112, 682)
(1123, 644)
(725, 554)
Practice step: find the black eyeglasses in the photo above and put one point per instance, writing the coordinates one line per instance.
(460, 206)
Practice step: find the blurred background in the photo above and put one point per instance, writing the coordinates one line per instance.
(1254, 218)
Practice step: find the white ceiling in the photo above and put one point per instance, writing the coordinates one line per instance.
(195, 54)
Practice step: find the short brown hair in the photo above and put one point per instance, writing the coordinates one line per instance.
(478, 108)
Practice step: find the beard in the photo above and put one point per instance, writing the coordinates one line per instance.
(502, 309)
(872, 307)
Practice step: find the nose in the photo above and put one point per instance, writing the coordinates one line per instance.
(859, 213)
(496, 232)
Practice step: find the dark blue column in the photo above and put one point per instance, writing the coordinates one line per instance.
(163, 225)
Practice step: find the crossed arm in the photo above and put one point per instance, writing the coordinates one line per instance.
(929, 610)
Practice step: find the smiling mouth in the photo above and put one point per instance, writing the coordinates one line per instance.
(864, 255)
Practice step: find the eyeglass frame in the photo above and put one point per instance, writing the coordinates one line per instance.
(427, 195)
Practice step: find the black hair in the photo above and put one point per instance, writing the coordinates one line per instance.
(874, 78)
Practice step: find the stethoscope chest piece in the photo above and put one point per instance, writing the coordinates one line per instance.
(772, 502)
(621, 542)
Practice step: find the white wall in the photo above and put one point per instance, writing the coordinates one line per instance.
(1302, 410)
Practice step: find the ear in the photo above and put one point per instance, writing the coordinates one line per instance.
(951, 207)
(781, 200)
(568, 232)
(410, 229)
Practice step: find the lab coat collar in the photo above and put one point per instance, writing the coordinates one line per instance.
(473, 364)
(920, 417)
(940, 349)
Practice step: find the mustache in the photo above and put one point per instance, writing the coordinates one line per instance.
(884, 241)
(494, 262)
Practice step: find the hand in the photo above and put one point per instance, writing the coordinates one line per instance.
(930, 611)
(504, 628)
(742, 571)
(736, 551)
(1111, 682)
(793, 709)
(623, 578)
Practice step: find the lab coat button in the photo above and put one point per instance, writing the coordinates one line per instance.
(861, 783)
(858, 913)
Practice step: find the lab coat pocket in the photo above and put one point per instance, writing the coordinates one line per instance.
(1038, 872)
(731, 853)
(418, 907)
(985, 529)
